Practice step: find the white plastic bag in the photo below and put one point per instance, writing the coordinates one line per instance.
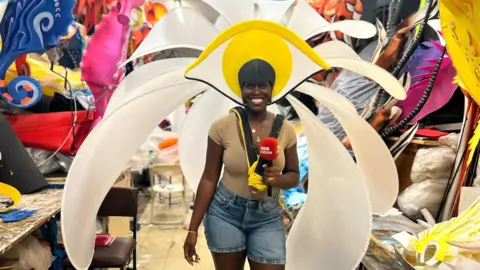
(450, 140)
(432, 163)
(426, 194)
(167, 155)
(149, 149)
(431, 170)
(31, 254)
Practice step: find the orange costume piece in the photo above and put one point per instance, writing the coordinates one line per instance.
(338, 10)
(91, 11)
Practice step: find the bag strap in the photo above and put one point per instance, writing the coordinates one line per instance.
(277, 126)
(250, 152)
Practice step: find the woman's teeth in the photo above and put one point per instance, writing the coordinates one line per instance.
(257, 101)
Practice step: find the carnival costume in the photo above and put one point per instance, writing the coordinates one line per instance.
(334, 226)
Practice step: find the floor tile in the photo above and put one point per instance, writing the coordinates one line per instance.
(176, 252)
(177, 264)
(157, 264)
(143, 260)
(179, 236)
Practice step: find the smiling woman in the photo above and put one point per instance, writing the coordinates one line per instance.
(343, 191)
(240, 217)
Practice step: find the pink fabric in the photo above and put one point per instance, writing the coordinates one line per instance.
(105, 51)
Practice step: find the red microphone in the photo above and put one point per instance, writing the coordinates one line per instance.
(269, 152)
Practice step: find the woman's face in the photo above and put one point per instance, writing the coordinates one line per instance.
(256, 96)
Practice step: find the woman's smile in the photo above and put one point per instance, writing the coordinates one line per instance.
(257, 101)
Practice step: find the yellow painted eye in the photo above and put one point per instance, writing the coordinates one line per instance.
(291, 58)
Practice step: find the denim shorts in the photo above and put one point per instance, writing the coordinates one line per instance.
(234, 223)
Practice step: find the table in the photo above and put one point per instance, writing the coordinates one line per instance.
(47, 202)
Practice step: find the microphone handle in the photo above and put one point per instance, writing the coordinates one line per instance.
(269, 187)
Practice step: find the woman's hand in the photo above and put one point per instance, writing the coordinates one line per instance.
(272, 174)
(189, 248)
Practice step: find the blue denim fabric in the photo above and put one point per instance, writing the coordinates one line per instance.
(234, 223)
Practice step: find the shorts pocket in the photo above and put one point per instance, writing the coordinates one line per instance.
(223, 200)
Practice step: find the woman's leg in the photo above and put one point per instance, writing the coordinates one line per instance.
(223, 230)
(266, 241)
(263, 266)
(229, 261)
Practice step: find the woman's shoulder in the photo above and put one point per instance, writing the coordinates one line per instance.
(288, 134)
(224, 120)
(218, 127)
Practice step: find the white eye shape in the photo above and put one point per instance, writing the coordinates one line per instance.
(291, 58)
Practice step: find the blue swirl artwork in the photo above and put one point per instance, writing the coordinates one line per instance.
(30, 26)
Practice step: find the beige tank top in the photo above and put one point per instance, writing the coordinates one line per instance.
(225, 132)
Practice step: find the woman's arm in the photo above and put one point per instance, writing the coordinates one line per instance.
(208, 183)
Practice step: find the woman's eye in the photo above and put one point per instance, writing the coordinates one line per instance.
(263, 86)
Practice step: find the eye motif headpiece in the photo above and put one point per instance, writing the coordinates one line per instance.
(256, 71)
(342, 192)
(272, 43)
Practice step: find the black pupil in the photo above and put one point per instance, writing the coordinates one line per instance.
(261, 86)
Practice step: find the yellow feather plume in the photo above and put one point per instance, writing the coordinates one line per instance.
(464, 228)
(472, 144)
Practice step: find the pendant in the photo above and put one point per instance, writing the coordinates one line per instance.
(253, 130)
(258, 139)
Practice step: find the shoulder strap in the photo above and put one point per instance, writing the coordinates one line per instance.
(277, 126)
(245, 128)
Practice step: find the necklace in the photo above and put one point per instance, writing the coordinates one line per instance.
(254, 132)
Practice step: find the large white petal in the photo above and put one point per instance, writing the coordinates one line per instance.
(273, 10)
(374, 160)
(336, 49)
(221, 23)
(354, 28)
(192, 144)
(145, 73)
(181, 27)
(372, 71)
(234, 11)
(333, 228)
(103, 155)
(177, 119)
(305, 20)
